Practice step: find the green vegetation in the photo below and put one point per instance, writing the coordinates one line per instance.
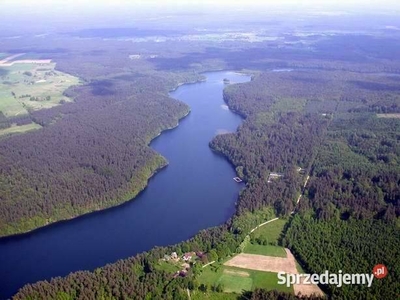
(235, 284)
(353, 246)
(251, 220)
(19, 129)
(289, 105)
(28, 87)
(322, 120)
(167, 267)
(67, 211)
(237, 280)
(268, 250)
(269, 233)
(25, 87)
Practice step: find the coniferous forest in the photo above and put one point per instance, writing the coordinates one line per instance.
(351, 201)
(321, 112)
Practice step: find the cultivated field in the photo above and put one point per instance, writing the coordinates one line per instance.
(237, 280)
(33, 86)
(263, 263)
(272, 265)
(29, 84)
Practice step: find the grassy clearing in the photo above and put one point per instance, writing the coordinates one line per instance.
(289, 105)
(235, 284)
(10, 106)
(211, 274)
(271, 232)
(19, 129)
(32, 86)
(167, 267)
(233, 279)
(268, 250)
(269, 281)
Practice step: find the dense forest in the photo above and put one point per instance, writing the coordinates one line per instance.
(353, 246)
(85, 158)
(320, 117)
(296, 119)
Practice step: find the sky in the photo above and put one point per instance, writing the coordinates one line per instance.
(201, 3)
(71, 13)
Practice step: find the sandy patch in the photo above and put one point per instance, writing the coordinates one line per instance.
(275, 265)
(263, 263)
(5, 63)
(307, 289)
(235, 272)
(222, 131)
(395, 116)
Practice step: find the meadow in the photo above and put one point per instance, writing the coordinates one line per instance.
(26, 87)
(29, 86)
(269, 233)
(268, 250)
(237, 280)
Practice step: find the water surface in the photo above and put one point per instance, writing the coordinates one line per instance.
(194, 192)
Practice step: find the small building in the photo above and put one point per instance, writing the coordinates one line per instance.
(187, 256)
(274, 175)
(199, 254)
(174, 255)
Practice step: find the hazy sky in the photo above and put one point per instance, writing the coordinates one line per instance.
(174, 3)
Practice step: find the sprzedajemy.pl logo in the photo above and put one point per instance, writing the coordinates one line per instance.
(339, 279)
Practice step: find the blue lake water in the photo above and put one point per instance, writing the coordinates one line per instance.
(194, 192)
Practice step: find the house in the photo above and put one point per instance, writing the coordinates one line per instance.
(187, 256)
(199, 254)
(174, 255)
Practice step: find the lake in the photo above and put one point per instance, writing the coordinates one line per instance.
(195, 191)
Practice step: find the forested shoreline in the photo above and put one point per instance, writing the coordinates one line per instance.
(108, 177)
(324, 105)
(285, 128)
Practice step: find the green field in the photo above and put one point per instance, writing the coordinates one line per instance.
(235, 284)
(267, 250)
(36, 86)
(19, 129)
(167, 267)
(237, 280)
(29, 86)
(270, 231)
